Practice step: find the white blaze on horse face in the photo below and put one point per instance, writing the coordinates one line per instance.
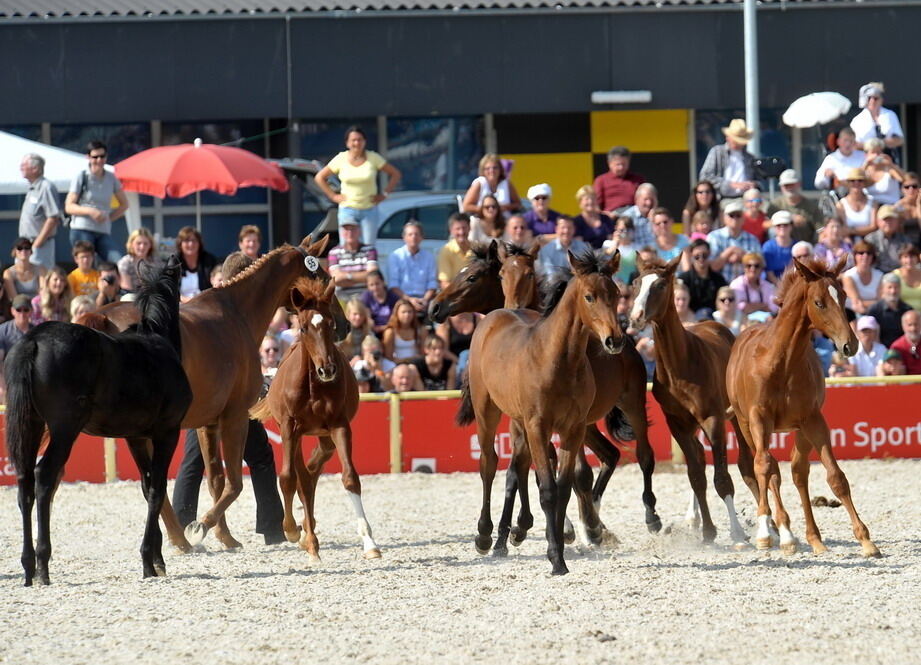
(316, 319)
(834, 293)
(639, 305)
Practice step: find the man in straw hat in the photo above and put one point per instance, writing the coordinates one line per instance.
(729, 166)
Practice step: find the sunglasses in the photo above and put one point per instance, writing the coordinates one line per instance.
(541, 198)
(855, 182)
(756, 266)
(102, 156)
(24, 248)
(735, 214)
(863, 251)
(913, 185)
(272, 349)
(700, 257)
(727, 299)
(755, 200)
(490, 207)
(703, 191)
(23, 309)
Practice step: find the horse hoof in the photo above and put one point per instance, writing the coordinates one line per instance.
(482, 544)
(764, 543)
(313, 558)
(517, 536)
(293, 536)
(870, 550)
(654, 526)
(500, 552)
(741, 546)
(160, 570)
(560, 570)
(569, 537)
(373, 554)
(195, 532)
(789, 548)
(609, 539)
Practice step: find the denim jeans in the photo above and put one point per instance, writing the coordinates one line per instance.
(368, 218)
(105, 246)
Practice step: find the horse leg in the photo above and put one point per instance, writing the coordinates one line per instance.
(233, 427)
(164, 445)
(208, 442)
(683, 430)
(48, 473)
(487, 419)
(746, 462)
(538, 442)
(590, 526)
(342, 437)
(512, 486)
(816, 431)
(522, 472)
(140, 450)
(633, 404)
(799, 469)
(609, 455)
(758, 432)
(287, 479)
(307, 476)
(715, 430)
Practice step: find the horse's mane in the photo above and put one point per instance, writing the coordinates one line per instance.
(158, 301)
(792, 277)
(511, 249)
(479, 253)
(653, 263)
(310, 287)
(253, 267)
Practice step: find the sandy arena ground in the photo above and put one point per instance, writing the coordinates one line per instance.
(433, 599)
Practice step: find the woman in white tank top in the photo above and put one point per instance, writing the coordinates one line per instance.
(404, 335)
(856, 208)
(862, 282)
(882, 173)
(492, 180)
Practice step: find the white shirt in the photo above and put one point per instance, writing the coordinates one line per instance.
(865, 128)
(840, 164)
(865, 363)
(735, 169)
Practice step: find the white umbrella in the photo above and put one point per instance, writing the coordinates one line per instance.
(816, 109)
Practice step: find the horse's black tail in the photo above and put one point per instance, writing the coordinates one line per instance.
(618, 426)
(465, 414)
(158, 301)
(23, 426)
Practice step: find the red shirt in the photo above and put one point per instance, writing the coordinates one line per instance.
(614, 192)
(911, 359)
(755, 225)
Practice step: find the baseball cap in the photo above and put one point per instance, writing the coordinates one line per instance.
(781, 217)
(887, 211)
(348, 221)
(734, 206)
(788, 177)
(892, 354)
(867, 323)
(22, 300)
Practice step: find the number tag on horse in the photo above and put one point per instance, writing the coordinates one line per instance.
(311, 263)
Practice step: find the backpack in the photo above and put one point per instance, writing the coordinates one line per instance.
(66, 219)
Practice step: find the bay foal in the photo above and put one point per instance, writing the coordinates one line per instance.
(537, 372)
(690, 386)
(775, 384)
(314, 393)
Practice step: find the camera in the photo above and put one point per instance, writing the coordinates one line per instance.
(108, 279)
(879, 160)
(362, 374)
(377, 354)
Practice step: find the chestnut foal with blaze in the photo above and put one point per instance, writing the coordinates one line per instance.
(776, 384)
(314, 393)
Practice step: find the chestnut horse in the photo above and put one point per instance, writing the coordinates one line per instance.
(221, 329)
(494, 270)
(690, 385)
(776, 384)
(315, 393)
(537, 372)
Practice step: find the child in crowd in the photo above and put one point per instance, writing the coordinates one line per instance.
(84, 278)
(701, 225)
(437, 371)
(53, 300)
(360, 320)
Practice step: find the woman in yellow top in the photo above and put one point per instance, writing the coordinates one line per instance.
(357, 169)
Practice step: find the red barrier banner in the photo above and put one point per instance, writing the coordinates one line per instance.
(866, 421)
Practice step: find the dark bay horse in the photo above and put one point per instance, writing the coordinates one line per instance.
(315, 393)
(503, 275)
(68, 378)
(776, 384)
(221, 329)
(537, 372)
(690, 386)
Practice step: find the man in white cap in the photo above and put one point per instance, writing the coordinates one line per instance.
(869, 352)
(888, 239)
(805, 212)
(832, 172)
(729, 167)
(730, 243)
(875, 121)
(540, 218)
(778, 251)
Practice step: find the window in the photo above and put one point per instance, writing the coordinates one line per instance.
(121, 141)
(435, 153)
(775, 136)
(324, 139)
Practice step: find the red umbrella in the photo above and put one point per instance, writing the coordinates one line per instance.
(180, 170)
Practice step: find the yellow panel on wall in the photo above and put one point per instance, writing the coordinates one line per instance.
(641, 131)
(565, 172)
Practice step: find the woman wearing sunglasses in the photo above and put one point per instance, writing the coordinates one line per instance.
(856, 209)
(862, 282)
(703, 197)
(752, 291)
(909, 206)
(489, 222)
(726, 311)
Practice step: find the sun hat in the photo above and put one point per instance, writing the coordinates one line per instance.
(867, 323)
(887, 211)
(738, 131)
(855, 174)
(734, 206)
(543, 189)
(781, 217)
(788, 177)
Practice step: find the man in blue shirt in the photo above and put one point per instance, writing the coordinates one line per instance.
(411, 269)
(555, 254)
(729, 244)
(778, 251)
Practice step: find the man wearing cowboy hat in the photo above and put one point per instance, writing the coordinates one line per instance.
(729, 166)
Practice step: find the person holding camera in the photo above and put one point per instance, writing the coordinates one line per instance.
(884, 178)
(107, 285)
(373, 364)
